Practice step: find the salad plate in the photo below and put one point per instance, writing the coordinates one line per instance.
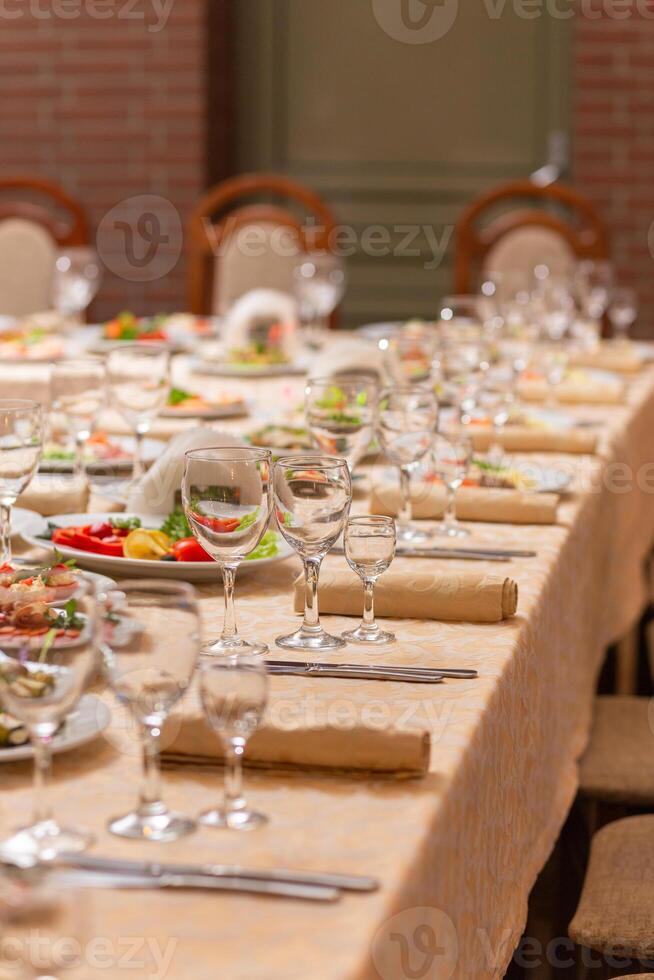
(122, 545)
(530, 477)
(103, 453)
(179, 333)
(184, 404)
(90, 719)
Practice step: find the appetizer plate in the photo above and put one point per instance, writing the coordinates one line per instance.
(214, 410)
(178, 341)
(223, 369)
(544, 479)
(89, 720)
(152, 449)
(23, 520)
(192, 571)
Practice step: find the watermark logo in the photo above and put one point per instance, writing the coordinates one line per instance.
(141, 238)
(153, 14)
(416, 21)
(419, 943)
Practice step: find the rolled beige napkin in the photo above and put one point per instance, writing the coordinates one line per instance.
(305, 745)
(574, 392)
(451, 596)
(26, 381)
(496, 506)
(532, 439)
(55, 493)
(623, 358)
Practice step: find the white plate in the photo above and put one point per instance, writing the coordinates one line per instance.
(89, 720)
(226, 411)
(546, 479)
(152, 449)
(191, 571)
(221, 369)
(179, 341)
(379, 331)
(23, 520)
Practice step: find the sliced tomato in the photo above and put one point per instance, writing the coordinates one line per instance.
(188, 549)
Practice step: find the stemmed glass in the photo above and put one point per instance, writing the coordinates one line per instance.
(139, 383)
(623, 311)
(313, 495)
(554, 363)
(496, 398)
(42, 677)
(412, 356)
(340, 414)
(150, 648)
(319, 279)
(451, 460)
(234, 692)
(21, 445)
(406, 425)
(369, 549)
(227, 499)
(594, 281)
(76, 280)
(77, 393)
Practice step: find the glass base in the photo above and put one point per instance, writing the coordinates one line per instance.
(157, 827)
(411, 533)
(233, 819)
(363, 634)
(45, 841)
(304, 639)
(225, 648)
(450, 531)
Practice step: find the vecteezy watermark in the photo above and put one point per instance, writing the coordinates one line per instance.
(141, 238)
(415, 241)
(131, 955)
(153, 14)
(426, 21)
(419, 943)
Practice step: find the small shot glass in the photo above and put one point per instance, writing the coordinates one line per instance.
(369, 549)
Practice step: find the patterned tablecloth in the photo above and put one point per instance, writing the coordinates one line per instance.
(457, 852)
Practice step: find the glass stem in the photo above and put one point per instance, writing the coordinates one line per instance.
(369, 605)
(5, 533)
(229, 581)
(233, 793)
(80, 442)
(138, 469)
(450, 509)
(311, 572)
(150, 798)
(42, 771)
(405, 513)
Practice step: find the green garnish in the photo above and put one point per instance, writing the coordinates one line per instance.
(177, 396)
(125, 523)
(176, 526)
(267, 547)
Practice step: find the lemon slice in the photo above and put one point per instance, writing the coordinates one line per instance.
(146, 545)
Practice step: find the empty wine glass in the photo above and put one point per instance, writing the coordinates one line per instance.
(139, 383)
(451, 460)
(594, 282)
(553, 362)
(623, 311)
(340, 414)
(460, 318)
(227, 498)
(319, 279)
(76, 280)
(406, 425)
(412, 356)
(45, 666)
(496, 398)
(234, 692)
(21, 445)
(77, 395)
(312, 502)
(369, 549)
(150, 649)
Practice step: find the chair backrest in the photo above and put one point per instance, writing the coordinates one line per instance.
(520, 225)
(37, 218)
(249, 232)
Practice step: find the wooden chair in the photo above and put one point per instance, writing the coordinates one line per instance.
(37, 217)
(519, 225)
(618, 764)
(249, 232)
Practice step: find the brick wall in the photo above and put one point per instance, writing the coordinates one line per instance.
(613, 130)
(112, 109)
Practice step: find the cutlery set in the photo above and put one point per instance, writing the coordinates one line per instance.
(386, 672)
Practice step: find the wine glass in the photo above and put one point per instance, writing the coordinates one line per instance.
(460, 318)
(594, 282)
(77, 394)
(553, 362)
(496, 398)
(319, 284)
(340, 414)
(406, 425)
(451, 458)
(623, 311)
(312, 502)
(234, 692)
(47, 932)
(369, 549)
(43, 674)
(21, 445)
(139, 383)
(227, 499)
(412, 356)
(76, 280)
(150, 648)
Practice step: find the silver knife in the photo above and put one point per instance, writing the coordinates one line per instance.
(462, 673)
(353, 672)
(154, 869)
(462, 554)
(250, 886)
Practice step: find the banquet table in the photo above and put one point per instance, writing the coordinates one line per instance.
(457, 852)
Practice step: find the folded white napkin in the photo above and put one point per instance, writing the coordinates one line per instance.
(157, 492)
(350, 356)
(253, 309)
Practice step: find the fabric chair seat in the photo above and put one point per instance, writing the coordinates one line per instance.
(616, 909)
(618, 765)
